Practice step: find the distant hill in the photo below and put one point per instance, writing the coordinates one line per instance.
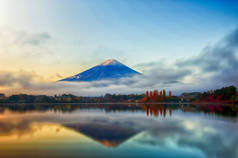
(107, 70)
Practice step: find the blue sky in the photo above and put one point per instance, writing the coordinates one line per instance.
(77, 34)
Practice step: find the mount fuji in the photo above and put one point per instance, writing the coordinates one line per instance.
(107, 70)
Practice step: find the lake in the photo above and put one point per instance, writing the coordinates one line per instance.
(151, 131)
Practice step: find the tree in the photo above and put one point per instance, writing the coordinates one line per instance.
(164, 93)
(233, 98)
(160, 95)
(170, 94)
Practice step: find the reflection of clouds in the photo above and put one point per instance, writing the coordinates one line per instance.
(20, 124)
(40, 132)
(189, 125)
(195, 136)
(10, 127)
(185, 133)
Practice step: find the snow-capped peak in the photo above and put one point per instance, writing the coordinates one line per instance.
(110, 62)
(107, 70)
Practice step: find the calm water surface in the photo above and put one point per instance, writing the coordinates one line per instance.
(104, 131)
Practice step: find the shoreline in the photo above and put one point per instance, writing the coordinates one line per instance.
(126, 103)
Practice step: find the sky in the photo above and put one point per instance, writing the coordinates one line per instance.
(181, 44)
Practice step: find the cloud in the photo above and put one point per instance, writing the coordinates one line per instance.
(36, 39)
(220, 61)
(25, 50)
(19, 46)
(30, 82)
(59, 75)
(222, 56)
(22, 38)
(214, 67)
(21, 78)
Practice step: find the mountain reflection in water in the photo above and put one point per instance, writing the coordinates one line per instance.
(118, 131)
(107, 135)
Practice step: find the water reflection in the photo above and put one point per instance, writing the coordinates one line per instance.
(110, 135)
(157, 110)
(106, 131)
(222, 110)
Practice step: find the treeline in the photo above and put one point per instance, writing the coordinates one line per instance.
(69, 98)
(225, 94)
(156, 96)
(228, 94)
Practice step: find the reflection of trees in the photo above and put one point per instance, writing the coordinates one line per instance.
(161, 110)
(69, 107)
(223, 110)
(150, 109)
(157, 110)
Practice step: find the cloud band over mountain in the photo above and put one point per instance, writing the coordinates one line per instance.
(214, 67)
